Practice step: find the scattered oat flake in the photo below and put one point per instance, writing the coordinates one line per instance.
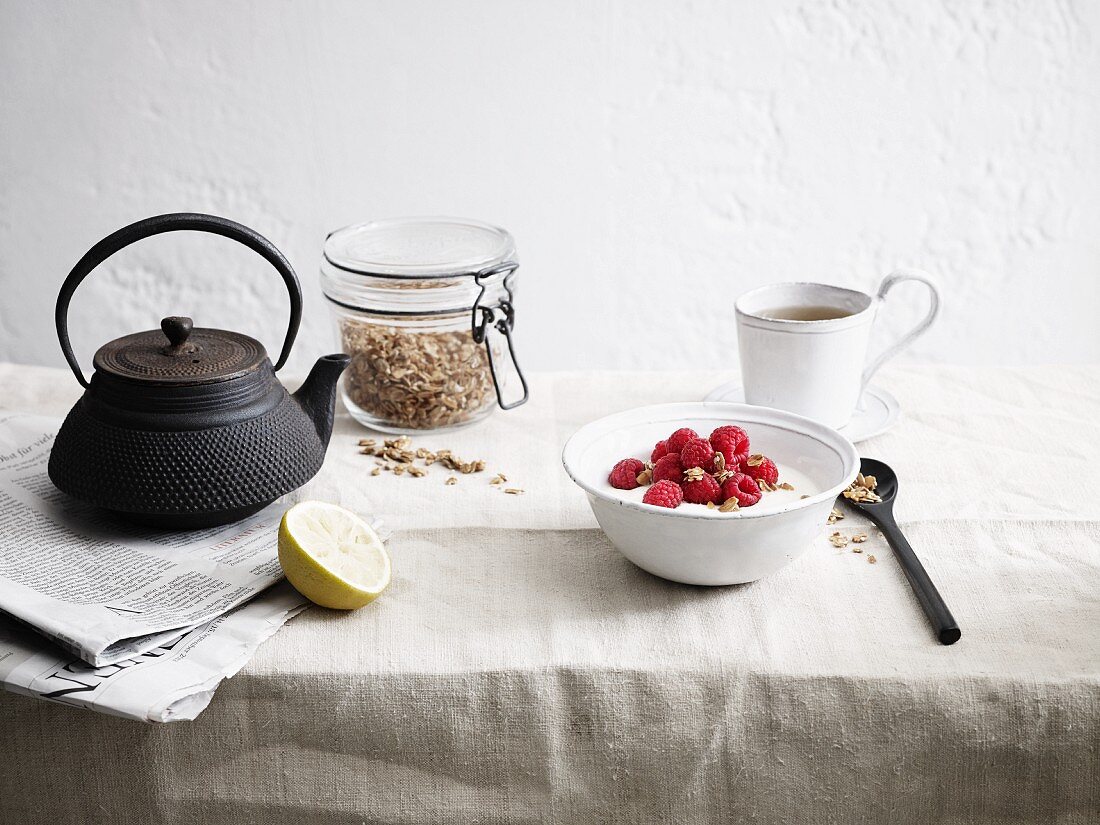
(451, 482)
(398, 456)
(859, 538)
(857, 549)
(514, 491)
(376, 471)
(729, 506)
(711, 505)
(754, 460)
(804, 495)
(871, 559)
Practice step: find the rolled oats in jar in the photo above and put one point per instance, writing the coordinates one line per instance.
(424, 307)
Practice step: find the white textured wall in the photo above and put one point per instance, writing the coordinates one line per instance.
(653, 159)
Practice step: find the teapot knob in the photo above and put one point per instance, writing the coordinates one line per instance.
(176, 328)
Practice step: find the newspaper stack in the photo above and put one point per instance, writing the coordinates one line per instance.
(117, 618)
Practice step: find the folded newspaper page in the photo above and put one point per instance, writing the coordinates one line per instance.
(106, 590)
(172, 682)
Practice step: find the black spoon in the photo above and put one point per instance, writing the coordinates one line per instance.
(882, 514)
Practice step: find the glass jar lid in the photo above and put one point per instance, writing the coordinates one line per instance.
(419, 247)
(418, 266)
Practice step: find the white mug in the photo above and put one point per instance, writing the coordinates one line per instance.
(816, 367)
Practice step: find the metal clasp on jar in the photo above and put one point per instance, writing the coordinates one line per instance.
(502, 316)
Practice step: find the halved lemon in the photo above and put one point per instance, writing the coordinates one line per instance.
(333, 557)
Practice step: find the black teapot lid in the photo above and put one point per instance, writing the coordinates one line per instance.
(179, 354)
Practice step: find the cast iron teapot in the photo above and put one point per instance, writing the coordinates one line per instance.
(185, 427)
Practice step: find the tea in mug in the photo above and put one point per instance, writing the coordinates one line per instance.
(805, 313)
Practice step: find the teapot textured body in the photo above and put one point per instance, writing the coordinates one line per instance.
(187, 427)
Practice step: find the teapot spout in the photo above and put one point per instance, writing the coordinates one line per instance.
(317, 396)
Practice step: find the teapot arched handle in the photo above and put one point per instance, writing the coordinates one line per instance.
(176, 222)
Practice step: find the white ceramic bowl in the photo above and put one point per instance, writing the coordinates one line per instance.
(696, 545)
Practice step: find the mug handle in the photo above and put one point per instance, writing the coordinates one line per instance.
(888, 283)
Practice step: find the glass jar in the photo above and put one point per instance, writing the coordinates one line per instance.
(424, 307)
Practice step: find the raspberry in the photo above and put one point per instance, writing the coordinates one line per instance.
(742, 488)
(732, 442)
(660, 450)
(664, 494)
(668, 467)
(697, 453)
(624, 475)
(678, 439)
(760, 468)
(702, 491)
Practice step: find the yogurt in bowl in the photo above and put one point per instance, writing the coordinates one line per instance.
(697, 545)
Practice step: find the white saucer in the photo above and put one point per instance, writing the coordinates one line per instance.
(877, 412)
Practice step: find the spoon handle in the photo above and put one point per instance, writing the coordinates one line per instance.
(947, 629)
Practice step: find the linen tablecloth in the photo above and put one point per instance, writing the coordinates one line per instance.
(519, 670)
